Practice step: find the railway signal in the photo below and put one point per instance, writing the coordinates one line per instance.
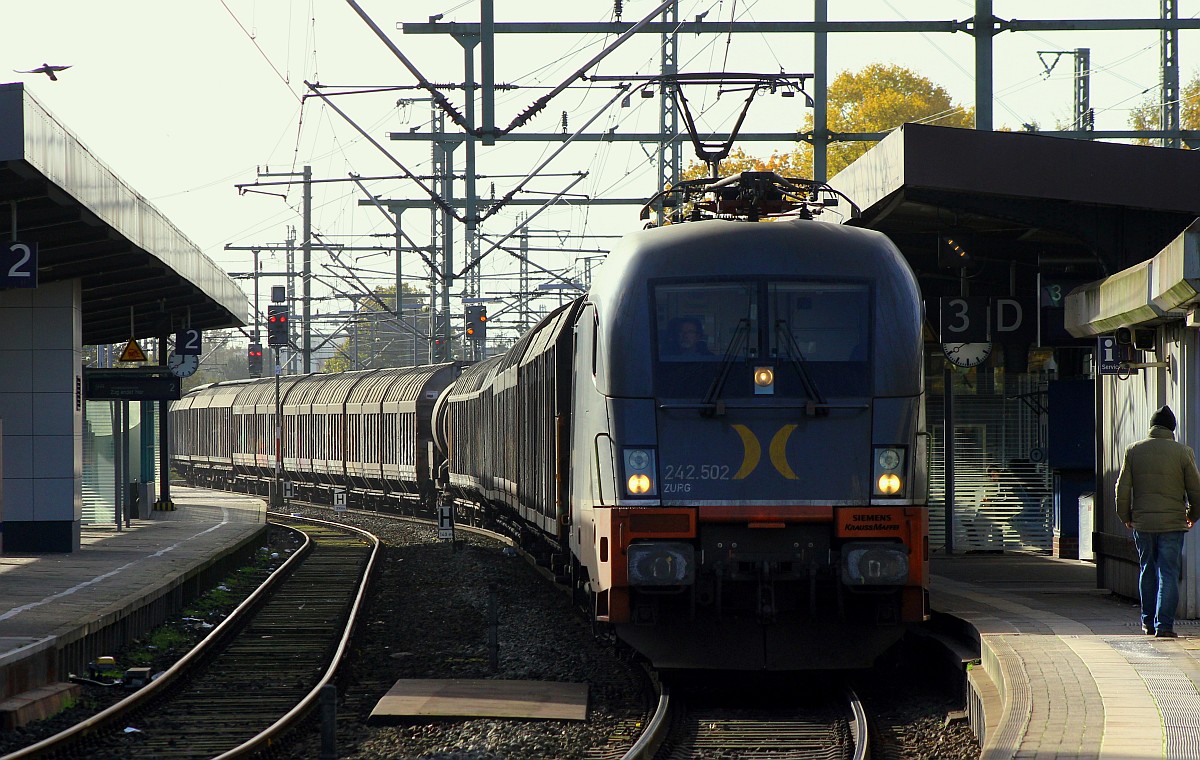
(277, 325)
(476, 317)
(254, 359)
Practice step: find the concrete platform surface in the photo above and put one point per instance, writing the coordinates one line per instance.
(1075, 676)
(50, 603)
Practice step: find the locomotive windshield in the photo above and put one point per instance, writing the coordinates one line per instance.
(699, 322)
(813, 334)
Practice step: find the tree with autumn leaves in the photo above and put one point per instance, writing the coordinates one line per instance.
(374, 337)
(1148, 113)
(877, 98)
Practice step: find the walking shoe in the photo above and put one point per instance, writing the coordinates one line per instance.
(1147, 629)
(1165, 633)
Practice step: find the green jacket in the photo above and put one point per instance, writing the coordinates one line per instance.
(1156, 474)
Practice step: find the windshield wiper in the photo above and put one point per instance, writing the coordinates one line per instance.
(709, 401)
(782, 328)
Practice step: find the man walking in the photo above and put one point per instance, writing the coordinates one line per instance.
(1157, 474)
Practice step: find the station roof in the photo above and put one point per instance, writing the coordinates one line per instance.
(89, 224)
(1164, 288)
(1022, 203)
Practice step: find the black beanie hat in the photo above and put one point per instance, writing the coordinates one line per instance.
(1164, 417)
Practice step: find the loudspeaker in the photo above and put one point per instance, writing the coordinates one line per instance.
(1143, 339)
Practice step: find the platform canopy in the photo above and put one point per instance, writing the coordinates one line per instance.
(1021, 204)
(133, 263)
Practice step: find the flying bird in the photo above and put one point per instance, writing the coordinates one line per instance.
(46, 69)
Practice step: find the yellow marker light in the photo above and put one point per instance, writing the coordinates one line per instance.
(764, 380)
(889, 483)
(638, 483)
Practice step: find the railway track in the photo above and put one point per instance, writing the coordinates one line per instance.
(256, 676)
(837, 731)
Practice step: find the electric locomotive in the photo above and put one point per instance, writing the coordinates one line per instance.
(723, 443)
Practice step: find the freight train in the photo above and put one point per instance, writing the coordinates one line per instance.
(721, 448)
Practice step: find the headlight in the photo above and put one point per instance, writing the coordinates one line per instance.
(888, 483)
(639, 472)
(638, 484)
(874, 564)
(889, 471)
(661, 563)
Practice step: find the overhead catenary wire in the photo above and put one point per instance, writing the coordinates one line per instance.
(601, 158)
(283, 78)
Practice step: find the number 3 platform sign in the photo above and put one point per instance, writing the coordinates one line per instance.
(18, 265)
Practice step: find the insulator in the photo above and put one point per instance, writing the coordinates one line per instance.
(618, 7)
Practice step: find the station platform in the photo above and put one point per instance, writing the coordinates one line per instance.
(1067, 671)
(59, 611)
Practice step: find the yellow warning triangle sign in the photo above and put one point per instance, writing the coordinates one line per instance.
(133, 352)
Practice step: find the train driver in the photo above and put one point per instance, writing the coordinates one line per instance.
(688, 338)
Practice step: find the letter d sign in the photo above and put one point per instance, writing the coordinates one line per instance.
(1007, 315)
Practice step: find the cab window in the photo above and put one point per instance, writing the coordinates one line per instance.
(818, 322)
(700, 322)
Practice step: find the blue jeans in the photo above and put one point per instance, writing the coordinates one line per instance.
(1160, 555)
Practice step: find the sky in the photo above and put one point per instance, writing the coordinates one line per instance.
(185, 100)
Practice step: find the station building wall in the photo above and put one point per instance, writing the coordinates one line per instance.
(1126, 406)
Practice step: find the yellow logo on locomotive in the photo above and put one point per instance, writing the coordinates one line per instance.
(752, 451)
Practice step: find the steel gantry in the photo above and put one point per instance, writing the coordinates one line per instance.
(983, 26)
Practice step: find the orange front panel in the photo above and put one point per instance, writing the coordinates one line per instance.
(659, 523)
(872, 522)
(914, 605)
(757, 514)
(918, 542)
(908, 524)
(618, 605)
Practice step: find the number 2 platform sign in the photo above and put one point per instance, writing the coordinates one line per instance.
(18, 264)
